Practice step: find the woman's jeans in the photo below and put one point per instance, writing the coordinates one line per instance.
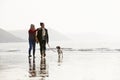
(31, 46)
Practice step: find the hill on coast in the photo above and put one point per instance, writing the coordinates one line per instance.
(53, 35)
(6, 36)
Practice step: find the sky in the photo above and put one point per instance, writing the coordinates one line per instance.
(67, 16)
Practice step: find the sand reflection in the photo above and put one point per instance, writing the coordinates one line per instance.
(32, 68)
(38, 71)
(60, 59)
(43, 67)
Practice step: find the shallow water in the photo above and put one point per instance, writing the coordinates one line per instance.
(15, 65)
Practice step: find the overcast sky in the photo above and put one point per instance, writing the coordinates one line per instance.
(67, 16)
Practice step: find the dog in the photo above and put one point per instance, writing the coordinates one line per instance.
(60, 53)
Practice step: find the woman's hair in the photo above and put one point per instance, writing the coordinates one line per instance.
(32, 27)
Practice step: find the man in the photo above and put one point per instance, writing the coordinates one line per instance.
(43, 38)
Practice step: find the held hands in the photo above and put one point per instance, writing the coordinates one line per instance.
(36, 39)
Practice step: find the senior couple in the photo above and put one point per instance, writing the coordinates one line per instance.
(39, 35)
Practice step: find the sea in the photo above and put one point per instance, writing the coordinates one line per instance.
(77, 63)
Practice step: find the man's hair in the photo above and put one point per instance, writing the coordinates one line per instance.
(41, 23)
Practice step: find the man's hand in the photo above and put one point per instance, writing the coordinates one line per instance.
(36, 39)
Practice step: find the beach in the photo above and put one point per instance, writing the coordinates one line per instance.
(15, 65)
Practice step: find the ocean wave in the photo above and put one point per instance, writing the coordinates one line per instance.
(87, 49)
(11, 50)
(69, 49)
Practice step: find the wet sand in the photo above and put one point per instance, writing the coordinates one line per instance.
(75, 66)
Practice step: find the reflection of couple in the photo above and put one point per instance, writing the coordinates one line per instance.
(32, 67)
(40, 36)
(43, 68)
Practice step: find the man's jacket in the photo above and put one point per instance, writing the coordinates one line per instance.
(40, 37)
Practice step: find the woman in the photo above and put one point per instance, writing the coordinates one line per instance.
(32, 39)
